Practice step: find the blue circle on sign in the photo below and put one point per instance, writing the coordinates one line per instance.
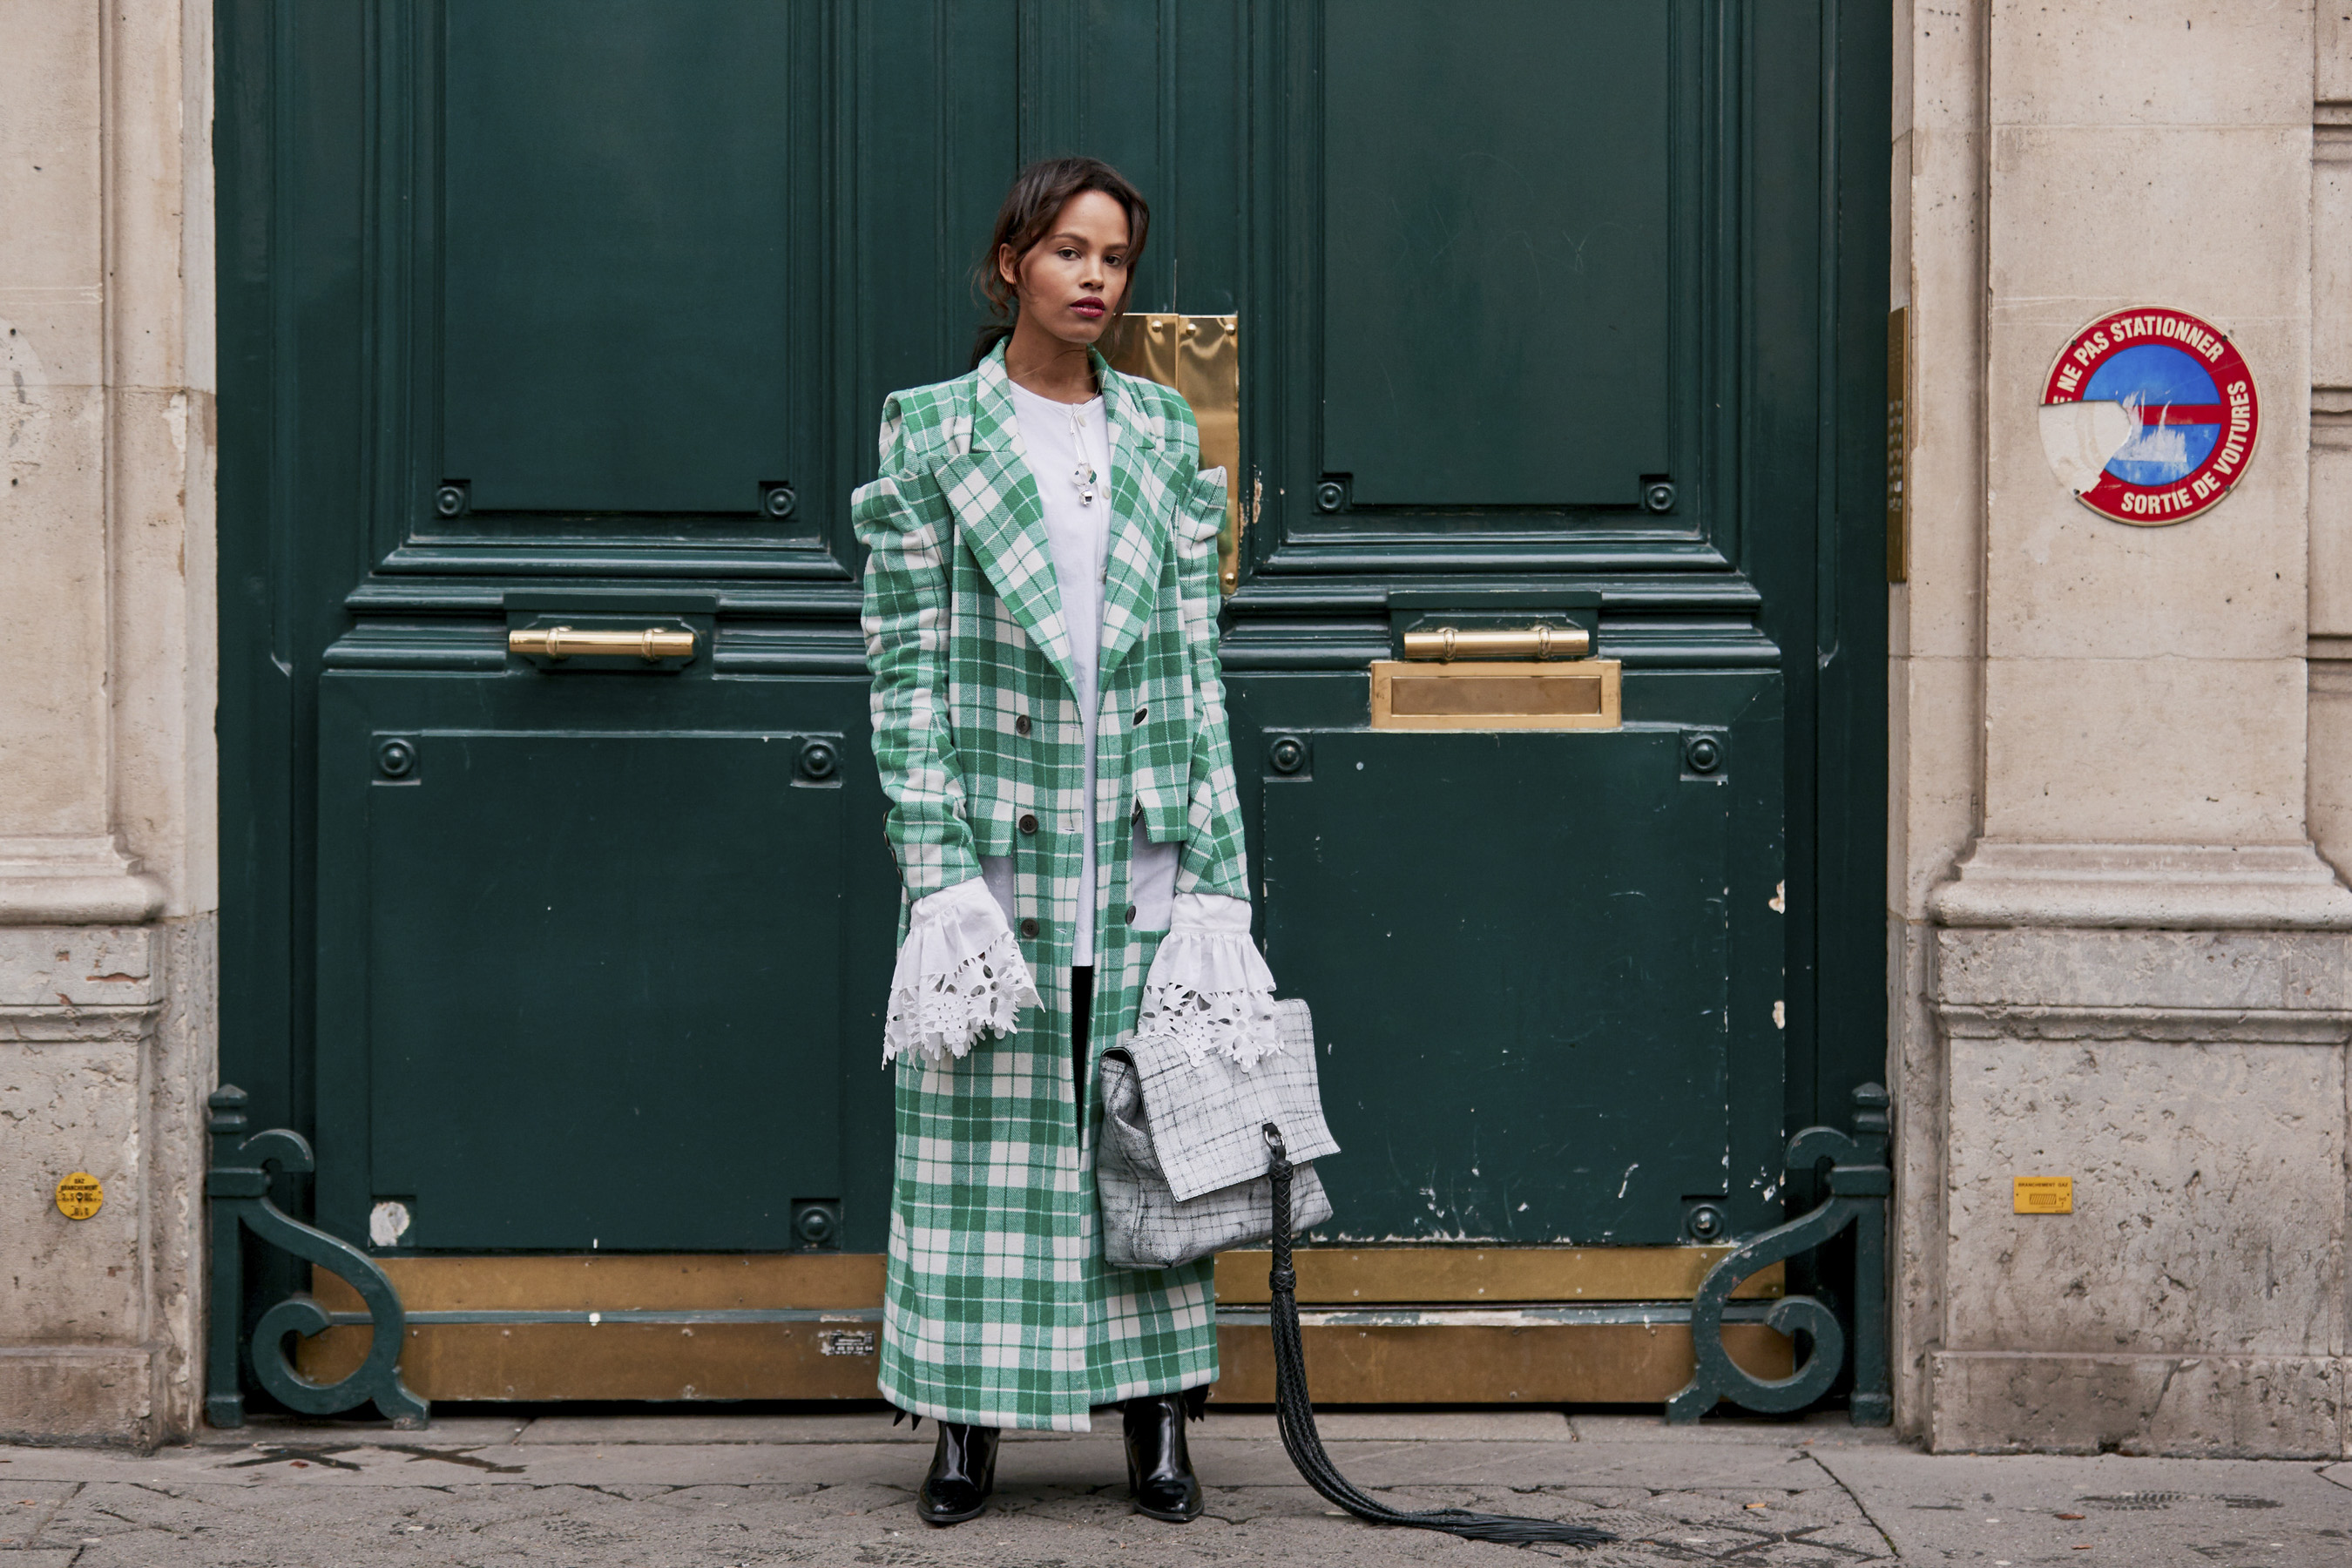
(2178, 408)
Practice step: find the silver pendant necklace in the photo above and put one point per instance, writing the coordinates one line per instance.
(1082, 475)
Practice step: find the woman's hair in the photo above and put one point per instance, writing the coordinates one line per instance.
(1038, 195)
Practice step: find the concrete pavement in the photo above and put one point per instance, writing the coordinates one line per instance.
(718, 1489)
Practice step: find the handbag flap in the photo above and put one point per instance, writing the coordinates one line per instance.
(1208, 1118)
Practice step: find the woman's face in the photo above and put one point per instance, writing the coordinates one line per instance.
(1071, 281)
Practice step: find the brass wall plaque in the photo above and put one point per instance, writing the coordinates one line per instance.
(1199, 356)
(79, 1195)
(1586, 695)
(2042, 1194)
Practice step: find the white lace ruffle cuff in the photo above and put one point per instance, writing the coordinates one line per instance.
(1209, 992)
(959, 972)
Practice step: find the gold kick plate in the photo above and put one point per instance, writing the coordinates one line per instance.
(652, 645)
(616, 1326)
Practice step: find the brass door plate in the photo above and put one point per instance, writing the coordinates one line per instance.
(1199, 356)
(1585, 694)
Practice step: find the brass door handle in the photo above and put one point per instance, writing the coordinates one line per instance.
(1450, 643)
(652, 643)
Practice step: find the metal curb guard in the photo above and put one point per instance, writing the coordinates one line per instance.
(1859, 1179)
(237, 1193)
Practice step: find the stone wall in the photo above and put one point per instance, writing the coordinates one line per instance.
(2116, 954)
(107, 860)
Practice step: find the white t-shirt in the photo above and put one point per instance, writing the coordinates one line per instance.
(1064, 442)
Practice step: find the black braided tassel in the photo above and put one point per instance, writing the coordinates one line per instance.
(1296, 1413)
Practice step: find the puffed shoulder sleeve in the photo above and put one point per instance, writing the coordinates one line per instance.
(1203, 513)
(903, 522)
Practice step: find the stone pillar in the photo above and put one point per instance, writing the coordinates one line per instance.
(2136, 973)
(2331, 440)
(106, 872)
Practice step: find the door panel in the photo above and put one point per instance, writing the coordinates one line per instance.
(1518, 951)
(1508, 243)
(585, 939)
(590, 1010)
(1497, 214)
(617, 288)
(594, 259)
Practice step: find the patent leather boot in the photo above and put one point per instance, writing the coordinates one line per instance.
(962, 1474)
(1159, 1464)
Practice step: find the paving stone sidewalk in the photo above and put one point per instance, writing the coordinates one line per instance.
(651, 1490)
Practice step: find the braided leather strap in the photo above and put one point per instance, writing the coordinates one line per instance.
(1296, 1413)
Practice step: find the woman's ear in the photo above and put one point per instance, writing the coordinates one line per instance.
(1008, 266)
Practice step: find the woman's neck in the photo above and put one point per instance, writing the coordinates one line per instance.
(1041, 362)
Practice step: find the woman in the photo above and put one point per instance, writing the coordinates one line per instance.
(1040, 623)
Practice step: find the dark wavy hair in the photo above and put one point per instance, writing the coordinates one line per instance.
(1038, 195)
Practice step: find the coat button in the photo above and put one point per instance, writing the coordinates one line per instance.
(1020, 725)
(1028, 822)
(1141, 714)
(1029, 929)
(1131, 914)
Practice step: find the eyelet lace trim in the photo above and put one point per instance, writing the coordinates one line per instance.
(942, 1015)
(1240, 1025)
(960, 976)
(1210, 992)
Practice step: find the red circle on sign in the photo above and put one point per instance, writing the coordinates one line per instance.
(2166, 409)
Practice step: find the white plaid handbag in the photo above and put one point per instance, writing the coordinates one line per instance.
(1181, 1170)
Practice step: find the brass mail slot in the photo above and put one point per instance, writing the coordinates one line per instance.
(1587, 694)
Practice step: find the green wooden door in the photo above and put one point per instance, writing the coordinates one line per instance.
(580, 312)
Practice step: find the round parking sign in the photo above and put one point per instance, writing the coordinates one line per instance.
(2149, 415)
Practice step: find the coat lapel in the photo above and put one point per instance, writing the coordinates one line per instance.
(1142, 465)
(1002, 519)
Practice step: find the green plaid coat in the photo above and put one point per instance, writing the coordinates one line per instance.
(1000, 1310)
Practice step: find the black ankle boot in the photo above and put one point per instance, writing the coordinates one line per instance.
(963, 1472)
(1158, 1466)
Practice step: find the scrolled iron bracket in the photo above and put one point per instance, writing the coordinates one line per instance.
(1859, 1182)
(236, 1191)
